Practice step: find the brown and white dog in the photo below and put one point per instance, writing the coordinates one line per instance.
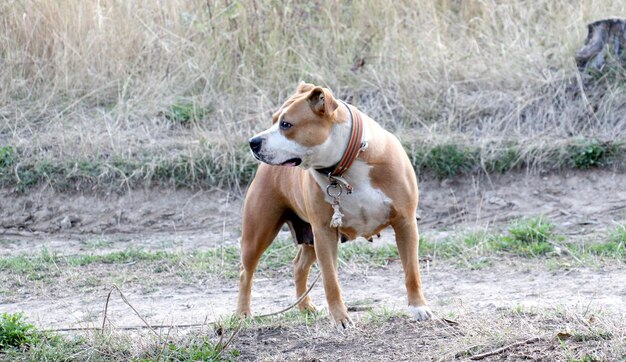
(314, 131)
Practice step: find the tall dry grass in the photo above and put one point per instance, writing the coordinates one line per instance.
(95, 78)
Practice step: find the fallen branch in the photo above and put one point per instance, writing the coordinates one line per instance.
(505, 348)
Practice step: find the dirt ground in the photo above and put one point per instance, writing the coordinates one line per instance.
(581, 204)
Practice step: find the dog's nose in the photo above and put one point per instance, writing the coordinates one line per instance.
(255, 144)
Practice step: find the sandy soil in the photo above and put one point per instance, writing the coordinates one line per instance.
(582, 204)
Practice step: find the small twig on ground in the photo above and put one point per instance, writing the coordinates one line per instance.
(505, 348)
(448, 322)
(223, 347)
(167, 336)
(106, 307)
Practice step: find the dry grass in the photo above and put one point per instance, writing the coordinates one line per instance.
(556, 334)
(98, 79)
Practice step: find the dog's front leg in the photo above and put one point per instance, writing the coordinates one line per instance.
(326, 244)
(259, 230)
(407, 240)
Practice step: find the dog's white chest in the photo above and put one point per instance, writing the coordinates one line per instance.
(367, 207)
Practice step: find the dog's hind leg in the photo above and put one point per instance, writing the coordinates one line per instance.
(302, 234)
(301, 267)
(260, 227)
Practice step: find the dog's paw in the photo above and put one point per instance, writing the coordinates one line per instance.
(344, 324)
(339, 316)
(420, 313)
(244, 313)
(308, 308)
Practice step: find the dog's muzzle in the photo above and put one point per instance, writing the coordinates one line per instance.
(255, 144)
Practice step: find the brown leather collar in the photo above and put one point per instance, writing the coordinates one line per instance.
(355, 144)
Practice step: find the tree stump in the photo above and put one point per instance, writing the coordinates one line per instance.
(605, 45)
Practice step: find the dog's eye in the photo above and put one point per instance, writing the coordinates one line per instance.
(285, 125)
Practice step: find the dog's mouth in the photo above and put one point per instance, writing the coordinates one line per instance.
(292, 162)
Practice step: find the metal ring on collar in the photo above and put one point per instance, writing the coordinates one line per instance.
(334, 186)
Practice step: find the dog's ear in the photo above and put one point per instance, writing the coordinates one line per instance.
(304, 87)
(322, 101)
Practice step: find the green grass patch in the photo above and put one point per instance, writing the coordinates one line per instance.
(529, 237)
(590, 154)
(471, 250)
(37, 267)
(6, 158)
(453, 246)
(278, 256)
(446, 160)
(381, 315)
(614, 246)
(46, 265)
(365, 253)
(185, 113)
(22, 341)
(46, 261)
(503, 160)
(198, 349)
(15, 332)
(119, 257)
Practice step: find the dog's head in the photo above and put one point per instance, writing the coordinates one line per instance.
(300, 128)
